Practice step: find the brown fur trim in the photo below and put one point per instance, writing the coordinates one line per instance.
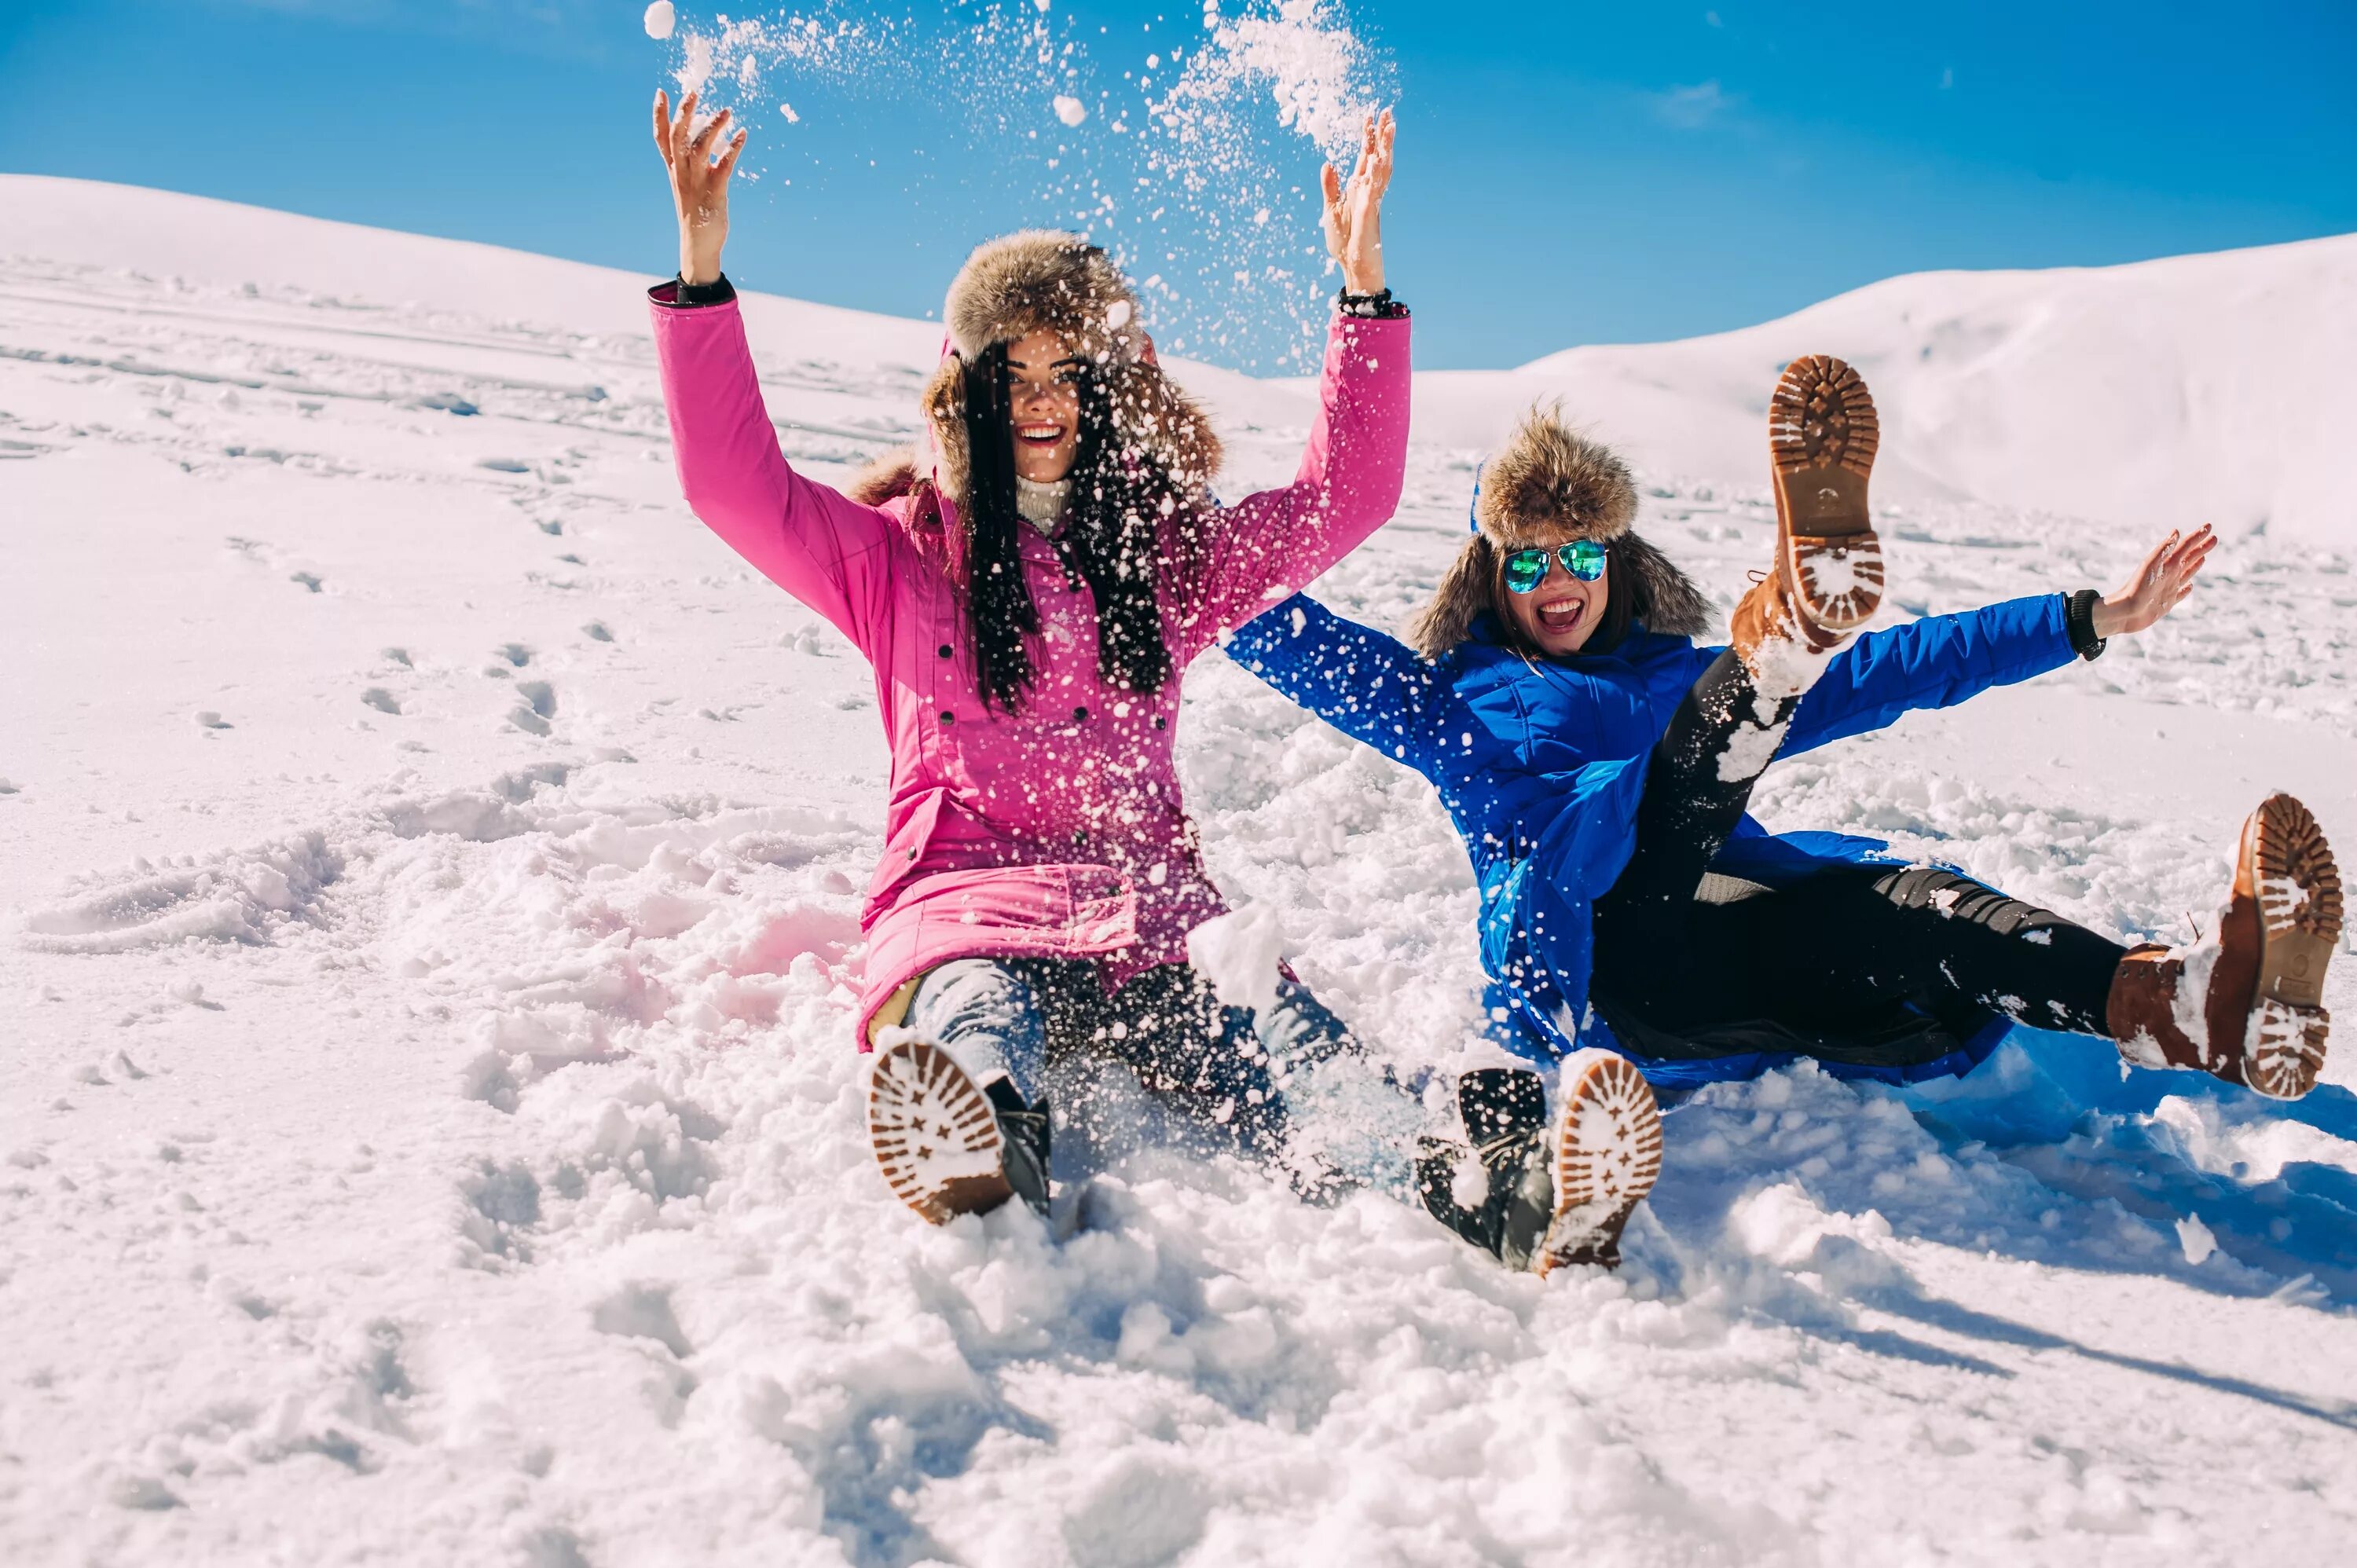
(885, 477)
(1551, 483)
(1666, 599)
(1150, 409)
(943, 402)
(1041, 280)
(1463, 595)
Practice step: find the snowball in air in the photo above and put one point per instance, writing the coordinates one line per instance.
(1117, 315)
(788, 110)
(660, 19)
(1070, 111)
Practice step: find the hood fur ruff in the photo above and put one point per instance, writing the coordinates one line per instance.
(1549, 483)
(1040, 279)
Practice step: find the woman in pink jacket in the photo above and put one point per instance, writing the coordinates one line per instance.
(1028, 584)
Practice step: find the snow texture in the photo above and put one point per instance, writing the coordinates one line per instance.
(427, 1136)
(1238, 952)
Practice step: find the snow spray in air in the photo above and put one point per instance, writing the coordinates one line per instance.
(1189, 149)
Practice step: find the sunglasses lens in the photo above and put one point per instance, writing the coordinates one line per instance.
(1525, 570)
(1584, 559)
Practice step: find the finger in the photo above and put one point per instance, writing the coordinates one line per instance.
(1330, 182)
(2190, 555)
(663, 123)
(680, 127)
(1366, 149)
(2153, 564)
(1386, 132)
(702, 146)
(728, 164)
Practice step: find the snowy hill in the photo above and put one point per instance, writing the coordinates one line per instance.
(426, 893)
(2200, 389)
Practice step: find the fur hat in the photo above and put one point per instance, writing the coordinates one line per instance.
(1042, 279)
(1548, 485)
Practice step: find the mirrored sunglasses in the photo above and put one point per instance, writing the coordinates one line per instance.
(1526, 569)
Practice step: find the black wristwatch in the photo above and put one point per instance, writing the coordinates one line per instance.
(2079, 620)
(1377, 306)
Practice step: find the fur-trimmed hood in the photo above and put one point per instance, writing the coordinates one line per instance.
(1550, 483)
(1044, 280)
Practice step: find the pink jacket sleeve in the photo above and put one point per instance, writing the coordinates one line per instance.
(828, 550)
(1271, 545)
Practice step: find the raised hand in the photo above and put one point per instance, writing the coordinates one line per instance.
(1354, 209)
(2159, 586)
(699, 182)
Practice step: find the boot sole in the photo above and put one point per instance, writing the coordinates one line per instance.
(935, 1136)
(2287, 868)
(1607, 1155)
(1821, 437)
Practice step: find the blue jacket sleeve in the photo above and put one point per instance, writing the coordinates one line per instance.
(1935, 662)
(1371, 687)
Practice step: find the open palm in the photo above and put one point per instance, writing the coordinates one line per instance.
(2159, 586)
(699, 182)
(1353, 220)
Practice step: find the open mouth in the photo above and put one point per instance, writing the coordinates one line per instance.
(1561, 615)
(1039, 435)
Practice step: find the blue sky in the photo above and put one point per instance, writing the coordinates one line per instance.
(1569, 172)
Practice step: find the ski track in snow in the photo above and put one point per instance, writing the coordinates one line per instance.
(465, 1168)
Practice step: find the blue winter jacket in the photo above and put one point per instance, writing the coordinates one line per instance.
(1540, 764)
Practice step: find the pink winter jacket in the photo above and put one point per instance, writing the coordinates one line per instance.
(1057, 831)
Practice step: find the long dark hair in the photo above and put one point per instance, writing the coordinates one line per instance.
(1120, 492)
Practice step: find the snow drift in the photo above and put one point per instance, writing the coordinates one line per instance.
(428, 869)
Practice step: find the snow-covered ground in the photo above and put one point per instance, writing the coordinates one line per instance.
(426, 1120)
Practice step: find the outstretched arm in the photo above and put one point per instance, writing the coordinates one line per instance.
(1940, 661)
(1274, 542)
(828, 550)
(1370, 686)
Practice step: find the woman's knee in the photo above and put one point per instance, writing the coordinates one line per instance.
(975, 995)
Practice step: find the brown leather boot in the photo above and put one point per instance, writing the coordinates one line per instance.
(2247, 1003)
(1821, 433)
(1827, 578)
(1784, 651)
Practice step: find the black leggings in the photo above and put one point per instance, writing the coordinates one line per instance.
(1833, 958)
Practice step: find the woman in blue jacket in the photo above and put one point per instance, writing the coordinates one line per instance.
(1637, 926)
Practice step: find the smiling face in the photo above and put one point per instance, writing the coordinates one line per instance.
(1044, 402)
(1562, 612)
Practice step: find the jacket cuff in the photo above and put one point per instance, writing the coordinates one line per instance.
(1378, 306)
(680, 295)
(2079, 620)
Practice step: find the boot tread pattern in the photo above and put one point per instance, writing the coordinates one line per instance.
(1823, 433)
(2297, 889)
(1608, 1156)
(1822, 416)
(934, 1133)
